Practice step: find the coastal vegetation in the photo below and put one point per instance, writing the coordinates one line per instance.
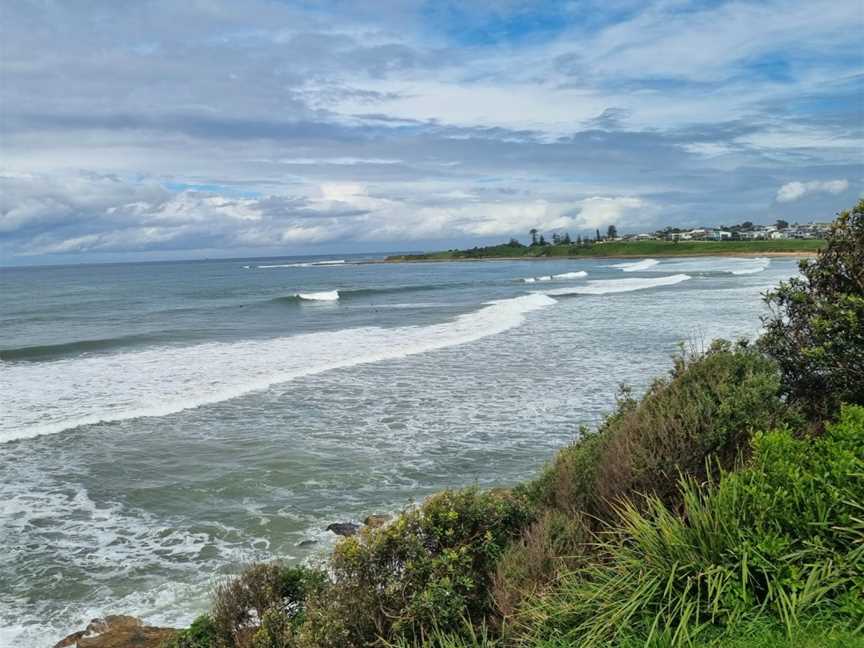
(515, 250)
(724, 507)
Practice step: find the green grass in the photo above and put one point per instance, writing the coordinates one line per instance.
(622, 249)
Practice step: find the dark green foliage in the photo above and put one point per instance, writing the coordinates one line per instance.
(709, 407)
(816, 330)
(267, 591)
(201, 634)
(552, 545)
(781, 537)
(429, 570)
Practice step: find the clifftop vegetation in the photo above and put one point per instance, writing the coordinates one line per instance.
(725, 507)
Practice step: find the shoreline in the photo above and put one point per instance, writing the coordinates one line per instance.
(801, 254)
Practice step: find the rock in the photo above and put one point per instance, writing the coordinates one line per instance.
(344, 528)
(375, 521)
(307, 543)
(117, 631)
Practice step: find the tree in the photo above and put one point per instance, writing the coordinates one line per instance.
(612, 232)
(514, 243)
(781, 224)
(597, 235)
(542, 241)
(533, 233)
(556, 239)
(815, 330)
(566, 240)
(579, 239)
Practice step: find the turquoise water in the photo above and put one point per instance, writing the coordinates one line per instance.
(163, 423)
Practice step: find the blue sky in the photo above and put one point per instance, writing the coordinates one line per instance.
(213, 128)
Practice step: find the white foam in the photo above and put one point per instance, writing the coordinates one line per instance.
(308, 264)
(529, 280)
(571, 275)
(753, 266)
(609, 286)
(48, 397)
(727, 265)
(326, 295)
(636, 266)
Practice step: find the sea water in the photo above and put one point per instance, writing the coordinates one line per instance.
(161, 424)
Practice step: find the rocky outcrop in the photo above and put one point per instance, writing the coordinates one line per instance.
(375, 521)
(344, 528)
(117, 631)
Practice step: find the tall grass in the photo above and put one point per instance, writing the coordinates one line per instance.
(781, 538)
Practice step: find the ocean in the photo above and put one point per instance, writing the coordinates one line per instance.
(162, 424)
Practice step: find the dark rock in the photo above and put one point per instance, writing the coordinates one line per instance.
(375, 521)
(117, 631)
(307, 543)
(344, 528)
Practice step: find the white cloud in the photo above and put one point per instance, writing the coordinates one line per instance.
(793, 191)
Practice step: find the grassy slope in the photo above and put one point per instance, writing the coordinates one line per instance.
(623, 249)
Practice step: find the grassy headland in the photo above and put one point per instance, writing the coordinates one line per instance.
(725, 507)
(624, 249)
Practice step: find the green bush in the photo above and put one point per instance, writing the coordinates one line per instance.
(263, 605)
(709, 407)
(201, 634)
(816, 329)
(552, 545)
(782, 537)
(428, 571)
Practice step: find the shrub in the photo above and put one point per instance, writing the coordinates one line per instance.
(816, 328)
(708, 407)
(552, 544)
(201, 634)
(267, 592)
(427, 571)
(781, 537)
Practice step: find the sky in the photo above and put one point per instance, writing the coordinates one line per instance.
(148, 130)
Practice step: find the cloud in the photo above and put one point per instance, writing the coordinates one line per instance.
(272, 126)
(793, 191)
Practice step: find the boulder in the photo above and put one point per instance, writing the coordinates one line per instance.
(375, 521)
(117, 631)
(344, 528)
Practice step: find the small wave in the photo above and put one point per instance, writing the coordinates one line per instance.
(324, 295)
(609, 286)
(636, 266)
(571, 275)
(719, 265)
(307, 264)
(46, 351)
(758, 264)
(563, 276)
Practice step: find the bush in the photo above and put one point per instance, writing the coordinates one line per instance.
(201, 634)
(270, 593)
(816, 329)
(550, 546)
(709, 407)
(782, 537)
(428, 571)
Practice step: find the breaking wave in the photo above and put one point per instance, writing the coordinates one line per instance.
(325, 295)
(307, 264)
(564, 275)
(609, 286)
(49, 397)
(719, 265)
(636, 266)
